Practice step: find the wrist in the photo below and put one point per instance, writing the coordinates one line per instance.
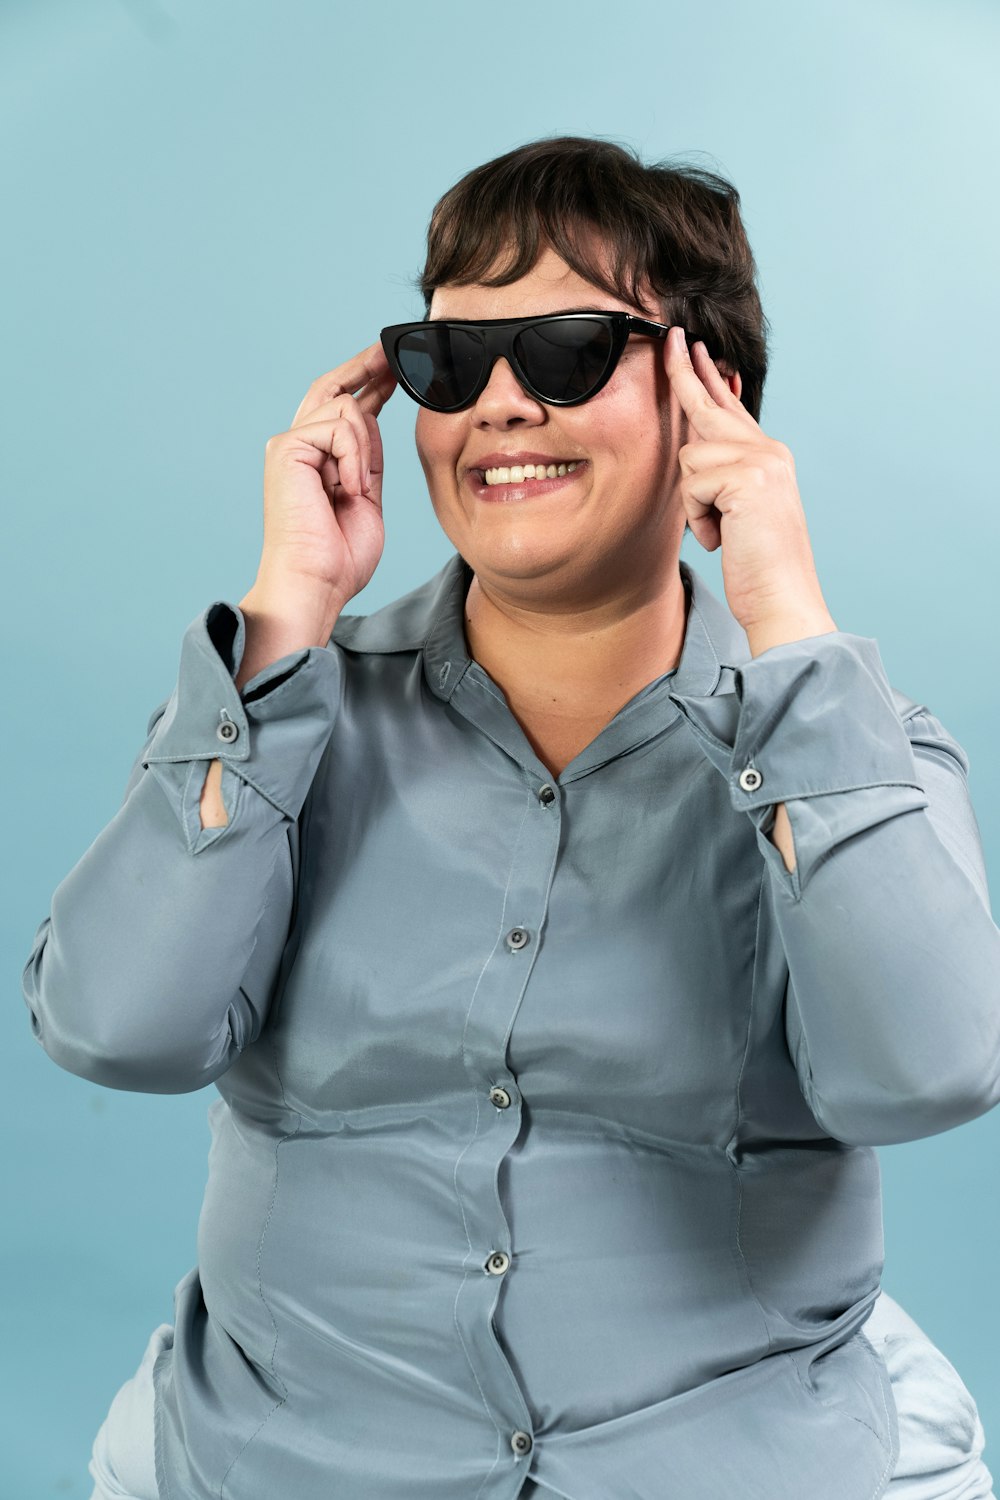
(304, 606)
(279, 624)
(783, 630)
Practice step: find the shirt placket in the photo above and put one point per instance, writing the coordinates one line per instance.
(492, 1252)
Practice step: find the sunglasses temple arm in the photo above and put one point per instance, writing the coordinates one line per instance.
(655, 330)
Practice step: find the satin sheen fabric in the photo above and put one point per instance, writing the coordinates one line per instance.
(543, 1145)
(941, 1437)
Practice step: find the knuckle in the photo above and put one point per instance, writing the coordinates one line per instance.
(344, 408)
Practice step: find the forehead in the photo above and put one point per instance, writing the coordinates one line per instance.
(550, 286)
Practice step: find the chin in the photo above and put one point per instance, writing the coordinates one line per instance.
(525, 558)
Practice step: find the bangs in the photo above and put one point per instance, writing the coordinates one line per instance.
(491, 232)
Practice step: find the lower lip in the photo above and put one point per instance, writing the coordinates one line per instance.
(528, 489)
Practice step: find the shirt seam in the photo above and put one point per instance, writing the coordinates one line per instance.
(739, 1114)
(776, 796)
(286, 1136)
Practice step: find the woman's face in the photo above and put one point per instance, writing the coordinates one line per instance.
(612, 527)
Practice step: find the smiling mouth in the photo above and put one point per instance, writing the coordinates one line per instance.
(518, 473)
(523, 473)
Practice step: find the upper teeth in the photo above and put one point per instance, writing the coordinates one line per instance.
(518, 473)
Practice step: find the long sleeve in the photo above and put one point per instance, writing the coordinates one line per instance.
(156, 964)
(892, 1012)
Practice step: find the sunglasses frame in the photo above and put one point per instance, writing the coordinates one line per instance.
(498, 336)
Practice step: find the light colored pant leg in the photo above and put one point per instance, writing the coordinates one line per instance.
(941, 1437)
(121, 1463)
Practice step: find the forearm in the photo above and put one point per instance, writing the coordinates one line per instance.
(893, 1010)
(155, 966)
(876, 884)
(270, 635)
(138, 978)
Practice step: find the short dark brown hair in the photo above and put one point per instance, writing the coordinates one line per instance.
(673, 228)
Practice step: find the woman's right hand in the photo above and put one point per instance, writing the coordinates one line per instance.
(323, 528)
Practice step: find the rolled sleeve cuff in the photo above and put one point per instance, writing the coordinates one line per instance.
(806, 718)
(272, 736)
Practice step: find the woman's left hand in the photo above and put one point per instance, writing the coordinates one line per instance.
(739, 491)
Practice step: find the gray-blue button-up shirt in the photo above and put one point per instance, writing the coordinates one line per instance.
(542, 1162)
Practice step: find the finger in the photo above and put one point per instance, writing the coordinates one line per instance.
(715, 382)
(708, 417)
(717, 488)
(372, 397)
(345, 408)
(704, 518)
(377, 461)
(684, 378)
(338, 439)
(349, 376)
(697, 457)
(707, 531)
(373, 488)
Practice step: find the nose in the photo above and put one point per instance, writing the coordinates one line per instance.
(503, 402)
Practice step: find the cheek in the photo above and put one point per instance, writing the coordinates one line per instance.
(437, 440)
(422, 436)
(626, 428)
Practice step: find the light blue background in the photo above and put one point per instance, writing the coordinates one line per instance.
(207, 206)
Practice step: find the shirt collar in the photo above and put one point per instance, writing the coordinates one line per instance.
(430, 618)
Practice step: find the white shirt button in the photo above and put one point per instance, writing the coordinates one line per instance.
(498, 1263)
(521, 1442)
(750, 779)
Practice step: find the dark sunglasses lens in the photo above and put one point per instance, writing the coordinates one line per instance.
(564, 359)
(441, 364)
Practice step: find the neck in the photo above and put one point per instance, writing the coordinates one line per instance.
(577, 659)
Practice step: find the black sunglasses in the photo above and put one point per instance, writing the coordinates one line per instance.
(559, 358)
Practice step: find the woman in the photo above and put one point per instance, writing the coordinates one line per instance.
(560, 939)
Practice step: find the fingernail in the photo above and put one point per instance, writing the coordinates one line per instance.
(680, 340)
